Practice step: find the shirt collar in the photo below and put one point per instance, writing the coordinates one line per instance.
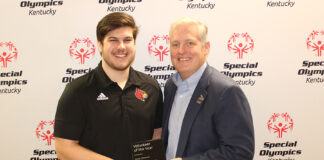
(191, 81)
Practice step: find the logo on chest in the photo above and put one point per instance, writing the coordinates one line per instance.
(102, 97)
(140, 94)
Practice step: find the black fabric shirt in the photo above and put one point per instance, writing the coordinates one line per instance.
(106, 119)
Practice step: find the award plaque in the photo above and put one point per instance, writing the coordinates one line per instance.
(148, 150)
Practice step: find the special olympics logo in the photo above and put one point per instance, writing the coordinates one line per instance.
(82, 49)
(159, 46)
(315, 41)
(280, 123)
(240, 44)
(8, 52)
(44, 131)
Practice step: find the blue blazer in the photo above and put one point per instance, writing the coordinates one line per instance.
(218, 122)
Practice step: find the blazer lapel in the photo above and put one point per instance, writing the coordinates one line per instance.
(168, 101)
(195, 104)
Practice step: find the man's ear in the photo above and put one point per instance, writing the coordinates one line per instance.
(100, 46)
(207, 47)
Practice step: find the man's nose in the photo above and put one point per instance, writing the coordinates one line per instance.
(121, 45)
(181, 49)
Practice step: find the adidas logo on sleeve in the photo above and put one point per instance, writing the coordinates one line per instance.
(102, 97)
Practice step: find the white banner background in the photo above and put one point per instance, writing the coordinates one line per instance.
(279, 35)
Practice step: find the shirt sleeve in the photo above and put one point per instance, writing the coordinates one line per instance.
(69, 118)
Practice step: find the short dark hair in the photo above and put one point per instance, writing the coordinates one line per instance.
(113, 21)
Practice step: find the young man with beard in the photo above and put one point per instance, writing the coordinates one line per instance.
(100, 114)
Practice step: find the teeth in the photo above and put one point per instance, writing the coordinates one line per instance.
(183, 59)
(121, 56)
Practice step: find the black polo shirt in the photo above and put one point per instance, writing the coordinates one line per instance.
(106, 119)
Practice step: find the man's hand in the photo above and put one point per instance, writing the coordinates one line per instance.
(157, 133)
(71, 150)
(176, 159)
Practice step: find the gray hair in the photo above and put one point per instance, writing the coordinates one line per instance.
(202, 28)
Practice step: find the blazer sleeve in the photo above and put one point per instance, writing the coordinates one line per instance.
(159, 110)
(233, 123)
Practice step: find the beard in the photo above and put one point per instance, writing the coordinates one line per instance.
(117, 66)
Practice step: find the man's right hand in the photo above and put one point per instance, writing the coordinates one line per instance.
(71, 150)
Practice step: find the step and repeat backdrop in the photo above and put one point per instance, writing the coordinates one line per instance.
(273, 49)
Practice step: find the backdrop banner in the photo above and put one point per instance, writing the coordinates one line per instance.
(273, 49)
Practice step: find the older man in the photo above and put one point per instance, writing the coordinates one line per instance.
(206, 115)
